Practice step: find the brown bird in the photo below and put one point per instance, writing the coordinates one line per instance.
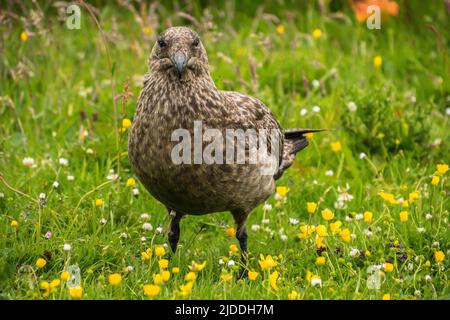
(178, 90)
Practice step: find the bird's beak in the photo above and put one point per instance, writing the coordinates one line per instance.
(179, 60)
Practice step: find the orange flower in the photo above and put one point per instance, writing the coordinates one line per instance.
(386, 7)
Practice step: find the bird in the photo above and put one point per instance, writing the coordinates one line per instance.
(178, 91)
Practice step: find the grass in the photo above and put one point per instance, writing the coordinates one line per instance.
(57, 93)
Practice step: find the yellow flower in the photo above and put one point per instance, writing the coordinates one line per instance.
(186, 288)
(308, 276)
(368, 253)
(336, 226)
(442, 168)
(65, 276)
(320, 261)
(280, 29)
(380, 135)
(282, 191)
(126, 123)
(163, 263)
(165, 276)
(76, 292)
(309, 136)
(131, 182)
(157, 278)
(40, 263)
(230, 232)
(175, 270)
(147, 30)
(226, 277)
(160, 251)
(439, 256)
(197, 266)
(388, 267)
(114, 279)
(151, 290)
(311, 207)
(405, 204)
(273, 280)
(327, 215)
(147, 254)
(377, 61)
(14, 224)
(44, 285)
(368, 216)
(293, 295)
(233, 248)
(404, 216)
(317, 33)
(99, 202)
(434, 181)
(388, 197)
(267, 262)
(321, 230)
(345, 235)
(54, 283)
(386, 296)
(336, 146)
(252, 275)
(191, 276)
(428, 264)
(24, 36)
(413, 196)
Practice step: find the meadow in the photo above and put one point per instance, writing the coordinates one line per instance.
(362, 214)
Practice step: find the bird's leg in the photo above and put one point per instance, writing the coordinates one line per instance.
(174, 229)
(241, 234)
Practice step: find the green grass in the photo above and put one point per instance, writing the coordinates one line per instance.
(48, 80)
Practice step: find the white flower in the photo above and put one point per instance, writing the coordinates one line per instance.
(143, 239)
(354, 252)
(428, 216)
(123, 235)
(427, 277)
(70, 178)
(435, 244)
(278, 196)
(135, 192)
(255, 227)
(129, 269)
(67, 247)
(283, 237)
(145, 216)
(112, 175)
(2, 195)
(316, 109)
(362, 155)
(293, 221)
(315, 83)
(420, 230)
(166, 246)
(55, 184)
(348, 219)
(42, 196)
(265, 221)
(417, 293)
(103, 221)
(267, 207)
(316, 282)
(410, 267)
(352, 106)
(359, 216)
(63, 162)
(329, 173)
(368, 233)
(89, 151)
(303, 112)
(159, 230)
(28, 162)
(339, 205)
(353, 236)
(413, 99)
(221, 261)
(314, 181)
(231, 263)
(345, 196)
(147, 226)
(447, 111)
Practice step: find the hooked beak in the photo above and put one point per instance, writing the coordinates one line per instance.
(179, 60)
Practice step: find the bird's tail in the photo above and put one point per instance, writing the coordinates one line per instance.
(295, 140)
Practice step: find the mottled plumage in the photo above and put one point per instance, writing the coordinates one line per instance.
(177, 91)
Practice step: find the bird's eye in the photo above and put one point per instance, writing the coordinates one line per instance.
(161, 43)
(196, 42)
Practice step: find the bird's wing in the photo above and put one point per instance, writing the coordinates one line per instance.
(249, 113)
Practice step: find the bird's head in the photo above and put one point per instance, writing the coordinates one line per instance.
(179, 54)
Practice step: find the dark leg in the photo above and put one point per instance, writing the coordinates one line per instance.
(241, 234)
(174, 229)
